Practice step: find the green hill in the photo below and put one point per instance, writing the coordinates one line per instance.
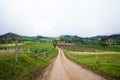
(113, 39)
(9, 37)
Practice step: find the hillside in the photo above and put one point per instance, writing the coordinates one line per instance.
(69, 38)
(113, 39)
(10, 37)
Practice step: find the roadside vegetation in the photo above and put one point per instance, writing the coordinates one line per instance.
(32, 58)
(106, 64)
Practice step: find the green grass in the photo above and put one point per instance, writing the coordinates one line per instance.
(106, 64)
(12, 44)
(28, 62)
(37, 46)
(115, 48)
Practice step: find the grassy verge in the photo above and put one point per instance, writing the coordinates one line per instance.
(28, 62)
(105, 64)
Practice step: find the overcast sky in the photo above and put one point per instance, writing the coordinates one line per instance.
(58, 17)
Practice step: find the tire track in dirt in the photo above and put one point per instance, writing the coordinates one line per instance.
(58, 72)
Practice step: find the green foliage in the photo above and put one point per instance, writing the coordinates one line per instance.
(9, 38)
(70, 39)
(104, 42)
(28, 62)
(27, 38)
(5, 47)
(54, 43)
(37, 46)
(107, 64)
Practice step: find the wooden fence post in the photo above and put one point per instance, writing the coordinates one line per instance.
(83, 54)
(45, 52)
(28, 50)
(16, 51)
(97, 58)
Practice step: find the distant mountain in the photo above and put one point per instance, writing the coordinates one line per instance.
(43, 37)
(114, 39)
(8, 37)
(70, 38)
(16, 36)
(115, 36)
(11, 36)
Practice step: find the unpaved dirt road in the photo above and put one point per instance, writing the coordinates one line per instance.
(64, 69)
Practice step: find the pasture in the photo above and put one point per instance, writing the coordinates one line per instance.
(32, 57)
(113, 48)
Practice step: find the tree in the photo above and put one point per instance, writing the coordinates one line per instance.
(3, 40)
(104, 42)
(54, 43)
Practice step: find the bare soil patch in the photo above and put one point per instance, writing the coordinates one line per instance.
(75, 47)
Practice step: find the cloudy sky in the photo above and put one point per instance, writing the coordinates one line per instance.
(58, 17)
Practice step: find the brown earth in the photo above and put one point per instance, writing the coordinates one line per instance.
(6, 52)
(64, 69)
(75, 47)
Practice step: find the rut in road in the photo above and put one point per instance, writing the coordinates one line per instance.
(65, 69)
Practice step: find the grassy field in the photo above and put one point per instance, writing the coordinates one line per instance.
(113, 48)
(37, 46)
(29, 62)
(8, 46)
(105, 64)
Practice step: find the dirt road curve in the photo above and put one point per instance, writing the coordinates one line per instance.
(65, 69)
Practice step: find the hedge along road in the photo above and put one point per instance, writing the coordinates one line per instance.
(64, 69)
